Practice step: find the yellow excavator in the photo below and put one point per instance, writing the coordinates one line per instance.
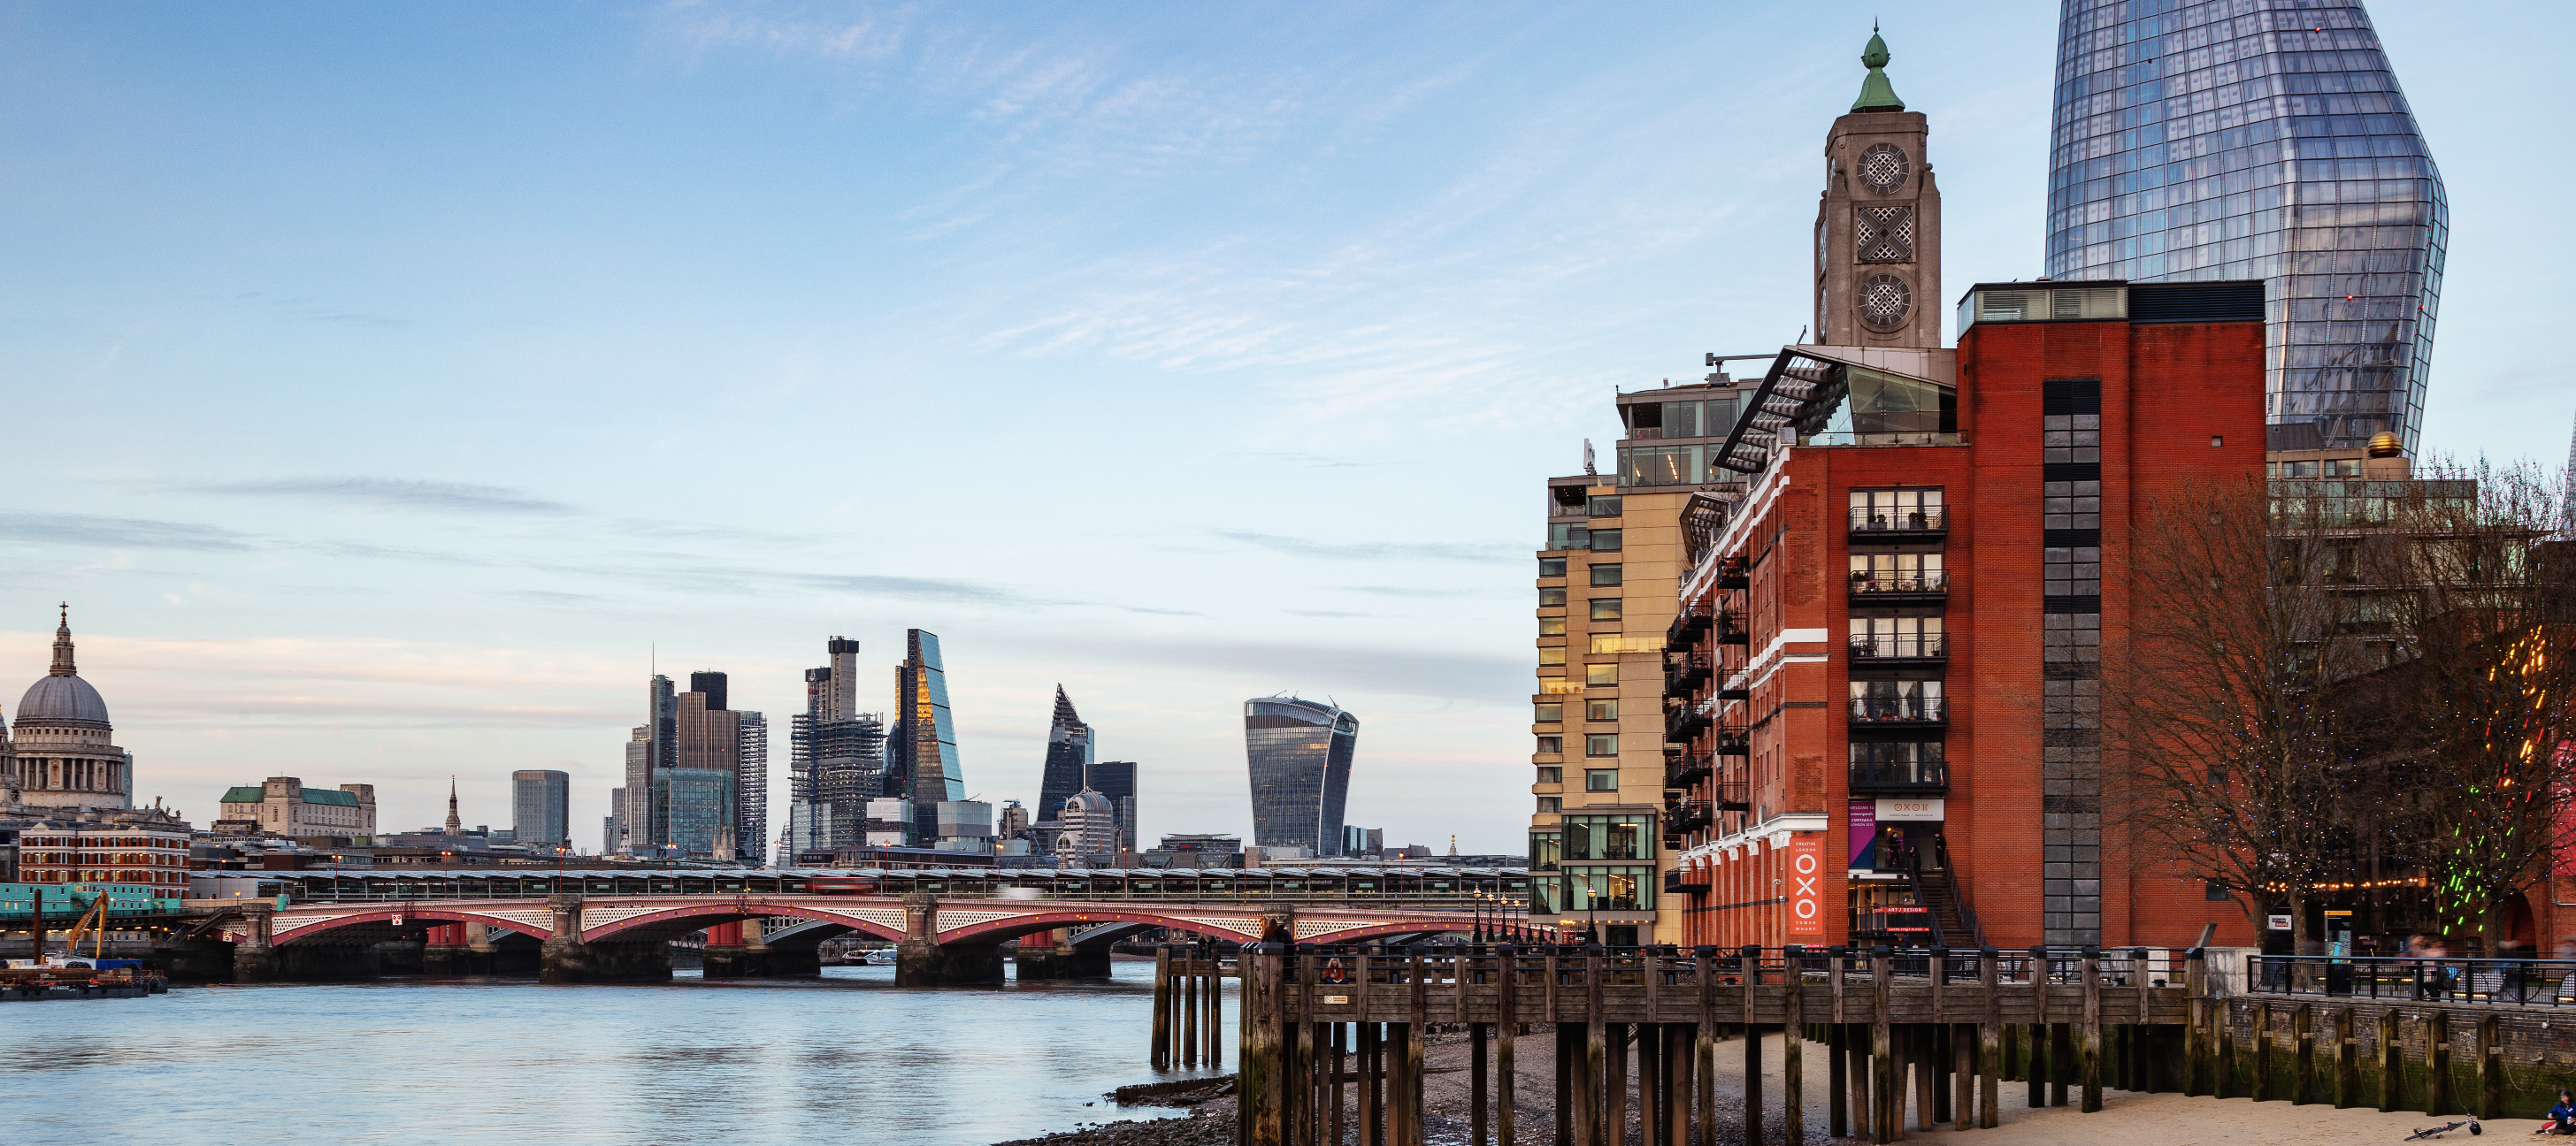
(93, 923)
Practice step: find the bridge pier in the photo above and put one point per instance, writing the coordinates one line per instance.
(1052, 956)
(574, 962)
(921, 960)
(453, 949)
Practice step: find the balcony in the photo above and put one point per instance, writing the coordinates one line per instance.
(1885, 524)
(1688, 768)
(1731, 629)
(1686, 815)
(1732, 797)
(1737, 687)
(1908, 589)
(1901, 711)
(1909, 777)
(1692, 620)
(1732, 740)
(1932, 648)
(1683, 721)
(1685, 670)
(1685, 879)
(1734, 575)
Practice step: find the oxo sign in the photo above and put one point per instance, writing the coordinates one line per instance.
(1806, 884)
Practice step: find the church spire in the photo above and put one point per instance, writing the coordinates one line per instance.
(1876, 94)
(63, 645)
(455, 827)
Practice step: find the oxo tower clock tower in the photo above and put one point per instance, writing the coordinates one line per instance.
(1878, 231)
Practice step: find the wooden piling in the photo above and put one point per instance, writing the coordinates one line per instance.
(1793, 1047)
(1963, 1075)
(1372, 1055)
(2347, 1060)
(1260, 1084)
(1334, 1129)
(2392, 1061)
(1508, 1016)
(1477, 1093)
(1417, 1029)
(1837, 1047)
(1704, 1043)
(1749, 972)
(1587, 1130)
(1886, 1121)
(2195, 1031)
(1677, 1084)
(1920, 1054)
(1162, 1056)
(1189, 1009)
(2039, 1064)
(1856, 1049)
(2092, 1053)
(2303, 1043)
(1990, 1059)
(2437, 1060)
(2490, 1067)
(2262, 1052)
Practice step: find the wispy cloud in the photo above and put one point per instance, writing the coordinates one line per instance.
(384, 493)
(1403, 591)
(1326, 613)
(118, 532)
(1371, 550)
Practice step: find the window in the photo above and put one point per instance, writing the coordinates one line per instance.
(1551, 567)
(1613, 888)
(1910, 508)
(1601, 574)
(1569, 535)
(1554, 656)
(1601, 674)
(1546, 894)
(1549, 805)
(1550, 773)
(1602, 744)
(1551, 626)
(1624, 837)
(1553, 598)
(1600, 779)
(1544, 847)
(1548, 712)
(2215, 892)
(1601, 709)
(1605, 608)
(1605, 540)
(1549, 746)
(1602, 507)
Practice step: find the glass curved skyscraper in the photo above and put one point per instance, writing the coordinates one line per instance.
(2259, 139)
(1300, 753)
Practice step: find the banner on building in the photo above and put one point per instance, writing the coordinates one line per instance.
(1807, 885)
(1864, 832)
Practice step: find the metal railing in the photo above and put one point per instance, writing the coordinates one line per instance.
(2504, 982)
(1899, 775)
(1917, 584)
(1931, 520)
(1926, 647)
(1900, 710)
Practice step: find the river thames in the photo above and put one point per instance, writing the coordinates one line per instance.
(848, 1058)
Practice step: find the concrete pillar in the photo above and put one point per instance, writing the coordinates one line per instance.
(254, 960)
(1051, 955)
(922, 961)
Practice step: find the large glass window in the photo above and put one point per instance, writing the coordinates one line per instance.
(1601, 779)
(1605, 608)
(1896, 509)
(1553, 598)
(1552, 656)
(1551, 745)
(1897, 763)
(1544, 847)
(1603, 506)
(1547, 895)
(1606, 540)
(1613, 887)
(1663, 465)
(1568, 535)
(1894, 571)
(1612, 837)
(1548, 711)
(1601, 744)
(1551, 567)
(1606, 574)
(1601, 674)
(1551, 626)
(1606, 708)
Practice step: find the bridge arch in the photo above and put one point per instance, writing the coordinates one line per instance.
(1092, 920)
(378, 925)
(674, 922)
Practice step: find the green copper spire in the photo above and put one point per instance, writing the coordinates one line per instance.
(1876, 94)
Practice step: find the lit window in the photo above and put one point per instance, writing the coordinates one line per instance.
(1601, 744)
(1603, 574)
(1605, 608)
(1551, 598)
(1601, 709)
(1601, 674)
(1553, 656)
(1551, 626)
(1600, 779)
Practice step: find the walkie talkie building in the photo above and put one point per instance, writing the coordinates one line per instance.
(1300, 754)
(2259, 139)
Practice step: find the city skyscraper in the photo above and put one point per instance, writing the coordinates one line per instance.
(751, 783)
(924, 745)
(2262, 140)
(1115, 780)
(836, 757)
(1068, 758)
(541, 806)
(653, 745)
(1299, 754)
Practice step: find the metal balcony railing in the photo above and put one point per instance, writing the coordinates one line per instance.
(1731, 629)
(1683, 721)
(1738, 686)
(1732, 740)
(1684, 670)
(1900, 710)
(1733, 796)
(1682, 879)
(1935, 584)
(1734, 575)
(1928, 647)
(1688, 624)
(1686, 769)
(1687, 815)
(1916, 522)
(1899, 776)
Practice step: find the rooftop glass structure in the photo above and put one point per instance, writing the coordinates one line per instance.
(2259, 139)
(1300, 753)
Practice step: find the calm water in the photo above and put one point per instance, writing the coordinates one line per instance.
(847, 1059)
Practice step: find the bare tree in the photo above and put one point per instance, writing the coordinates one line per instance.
(2471, 597)
(2225, 739)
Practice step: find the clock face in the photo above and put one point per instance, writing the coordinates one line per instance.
(1885, 302)
(1883, 168)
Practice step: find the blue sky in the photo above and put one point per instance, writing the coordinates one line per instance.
(386, 383)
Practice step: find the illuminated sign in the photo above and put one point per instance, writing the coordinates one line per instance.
(1806, 885)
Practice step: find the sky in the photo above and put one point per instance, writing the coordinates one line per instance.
(392, 388)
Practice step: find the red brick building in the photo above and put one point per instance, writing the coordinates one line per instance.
(1902, 609)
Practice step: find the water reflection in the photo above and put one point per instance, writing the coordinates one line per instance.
(849, 1058)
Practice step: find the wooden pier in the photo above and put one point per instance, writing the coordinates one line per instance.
(1948, 1028)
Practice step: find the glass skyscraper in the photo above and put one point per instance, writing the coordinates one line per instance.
(2259, 139)
(1068, 759)
(1300, 753)
(924, 745)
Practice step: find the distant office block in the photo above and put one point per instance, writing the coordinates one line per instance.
(541, 807)
(1300, 757)
(924, 746)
